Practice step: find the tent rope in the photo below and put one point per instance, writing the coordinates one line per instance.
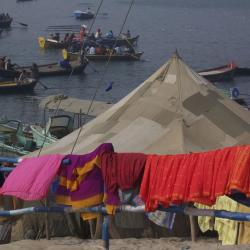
(103, 75)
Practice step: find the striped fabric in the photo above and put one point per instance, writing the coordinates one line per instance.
(81, 183)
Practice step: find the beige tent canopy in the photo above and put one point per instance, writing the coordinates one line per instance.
(74, 105)
(174, 111)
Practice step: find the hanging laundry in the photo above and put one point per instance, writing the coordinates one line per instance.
(122, 170)
(195, 177)
(81, 184)
(32, 177)
(227, 229)
(160, 218)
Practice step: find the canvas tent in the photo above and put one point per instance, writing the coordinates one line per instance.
(174, 111)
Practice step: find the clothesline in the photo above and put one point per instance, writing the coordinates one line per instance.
(127, 208)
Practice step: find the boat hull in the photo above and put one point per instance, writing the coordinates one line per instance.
(50, 44)
(219, 74)
(128, 57)
(83, 15)
(46, 70)
(40, 138)
(5, 23)
(8, 87)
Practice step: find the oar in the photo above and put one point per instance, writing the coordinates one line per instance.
(23, 24)
(42, 84)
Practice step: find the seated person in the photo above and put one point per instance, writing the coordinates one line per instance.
(92, 51)
(65, 64)
(98, 34)
(128, 35)
(118, 50)
(57, 37)
(110, 34)
(22, 76)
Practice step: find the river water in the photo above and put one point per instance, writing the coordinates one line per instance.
(206, 34)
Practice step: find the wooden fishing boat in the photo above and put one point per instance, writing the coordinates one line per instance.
(5, 23)
(14, 86)
(222, 73)
(14, 140)
(114, 57)
(83, 15)
(47, 43)
(56, 128)
(52, 69)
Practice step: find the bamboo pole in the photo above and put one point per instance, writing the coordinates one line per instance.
(47, 231)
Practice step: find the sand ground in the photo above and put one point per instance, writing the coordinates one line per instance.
(69, 243)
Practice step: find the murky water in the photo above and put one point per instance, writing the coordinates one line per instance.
(206, 34)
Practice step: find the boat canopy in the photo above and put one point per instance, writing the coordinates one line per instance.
(74, 105)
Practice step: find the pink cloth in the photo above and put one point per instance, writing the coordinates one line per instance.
(32, 177)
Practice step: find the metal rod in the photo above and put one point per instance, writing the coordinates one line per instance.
(100, 209)
(105, 232)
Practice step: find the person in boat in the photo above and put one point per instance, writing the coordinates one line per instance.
(110, 34)
(92, 50)
(128, 34)
(98, 34)
(22, 77)
(57, 37)
(66, 38)
(71, 38)
(7, 16)
(65, 64)
(92, 37)
(34, 71)
(8, 65)
(118, 50)
(83, 32)
(2, 63)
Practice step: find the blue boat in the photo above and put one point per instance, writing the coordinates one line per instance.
(83, 14)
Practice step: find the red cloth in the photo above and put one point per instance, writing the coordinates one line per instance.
(195, 177)
(122, 170)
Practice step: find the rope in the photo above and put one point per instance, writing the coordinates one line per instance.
(102, 77)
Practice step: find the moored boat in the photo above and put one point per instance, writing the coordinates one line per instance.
(222, 73)
(113, 57)
(52, 69)
(83, 14)
(47, 43)
(15, 86)
(14, 140)
(56, 128)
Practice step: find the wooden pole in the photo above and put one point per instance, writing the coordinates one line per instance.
(47, 232)
(193, 228)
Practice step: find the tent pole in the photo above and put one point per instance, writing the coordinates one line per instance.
(105, 232)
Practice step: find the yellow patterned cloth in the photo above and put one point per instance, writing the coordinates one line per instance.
(244, 227)
(227, 229)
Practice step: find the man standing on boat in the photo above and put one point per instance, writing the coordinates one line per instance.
(34, 71)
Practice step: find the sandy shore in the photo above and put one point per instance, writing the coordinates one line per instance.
(69, 243)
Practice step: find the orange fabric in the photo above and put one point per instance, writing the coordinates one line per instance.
(195, 177)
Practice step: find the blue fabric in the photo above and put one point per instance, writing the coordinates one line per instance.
(109, 87)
